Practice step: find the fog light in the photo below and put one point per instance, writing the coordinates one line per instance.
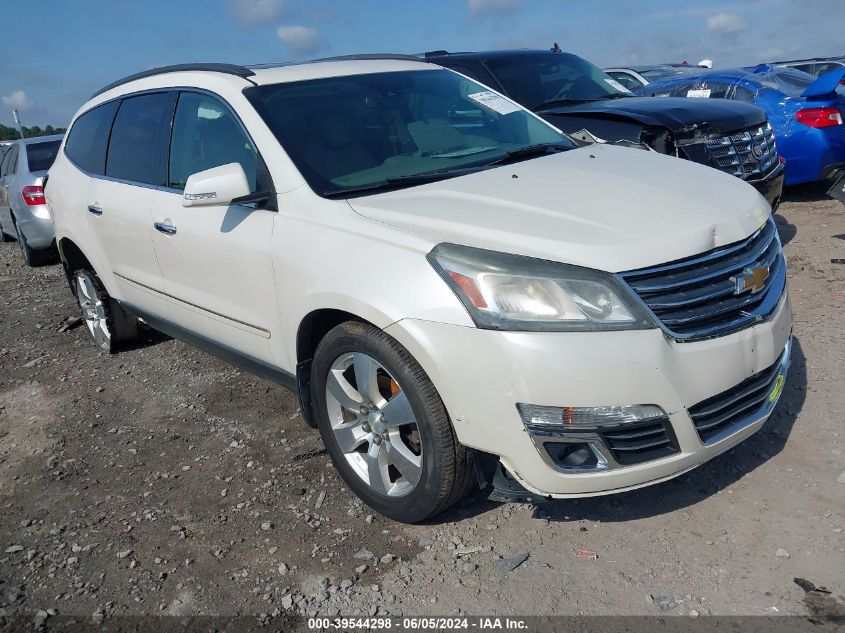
(558, 419)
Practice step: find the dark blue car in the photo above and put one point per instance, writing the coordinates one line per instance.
(805, 112)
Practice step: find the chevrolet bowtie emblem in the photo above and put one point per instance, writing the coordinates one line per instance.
(750, 279)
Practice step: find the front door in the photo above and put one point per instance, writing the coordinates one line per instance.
(215, 261)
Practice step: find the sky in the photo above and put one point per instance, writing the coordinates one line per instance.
(55, 53)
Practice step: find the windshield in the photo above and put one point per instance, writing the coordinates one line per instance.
(350, 133)
(548, 79)
(40, 156)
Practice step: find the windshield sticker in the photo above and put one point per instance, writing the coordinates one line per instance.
(701, 93)
(495, 102)
(617, 85)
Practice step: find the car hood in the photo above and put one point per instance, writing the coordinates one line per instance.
(605, 207)
(675, 113)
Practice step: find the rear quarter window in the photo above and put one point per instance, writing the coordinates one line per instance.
(40, 156)
(87, 139)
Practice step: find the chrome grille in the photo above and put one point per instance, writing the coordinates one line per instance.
(748, 154)
(697, 297)
(723, 414)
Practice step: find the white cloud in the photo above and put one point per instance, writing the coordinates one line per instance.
(300, 39)
(18, 100)
(252, 12)
(726, 23)
(487, 7)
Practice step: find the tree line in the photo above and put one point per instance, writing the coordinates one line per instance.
(11, 133)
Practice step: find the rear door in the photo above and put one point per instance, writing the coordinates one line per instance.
(119, 202)
(216, 261)
(8, 168)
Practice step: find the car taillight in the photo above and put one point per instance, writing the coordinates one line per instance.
(33, 194)
(819, 117)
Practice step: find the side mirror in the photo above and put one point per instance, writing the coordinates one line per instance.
(217, 186)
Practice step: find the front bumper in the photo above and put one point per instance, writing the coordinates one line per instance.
(482, 374)
(771, 187)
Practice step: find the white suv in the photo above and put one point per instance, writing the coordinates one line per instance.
(455, 292)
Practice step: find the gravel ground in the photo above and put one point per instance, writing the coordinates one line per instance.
(161, 481)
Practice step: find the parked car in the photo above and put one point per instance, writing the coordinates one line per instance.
(574, 95)
(804, 112)
(450, 301)
(816, 67)
(23, 213)
(632, 77)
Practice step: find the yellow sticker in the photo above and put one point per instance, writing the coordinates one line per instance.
(777, 388)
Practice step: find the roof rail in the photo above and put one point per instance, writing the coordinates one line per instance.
(368, 56)
(228, 69)
(439, 53)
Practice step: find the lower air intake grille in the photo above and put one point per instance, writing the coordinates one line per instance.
(714, 416)
(637, 443)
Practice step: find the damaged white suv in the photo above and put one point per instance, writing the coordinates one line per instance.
(455, 292)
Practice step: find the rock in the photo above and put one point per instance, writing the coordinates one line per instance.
(267, 525)
(504, 566)
(362, 553)
(468, 568)
(283, 569)
(467, 549)
(14, 548)
(664, 603)
(694, 614)
(125, 553)
(361, 569)
(287, 601)
(346, 584)
(98, 616)
(387, 559)
(841, 478)
(273, 550)
(782, 553)
(320, 499)
(72, 560)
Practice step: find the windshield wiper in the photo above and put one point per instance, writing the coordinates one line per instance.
(529, 151)
(398, 182)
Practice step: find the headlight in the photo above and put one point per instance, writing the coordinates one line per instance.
(511, 292)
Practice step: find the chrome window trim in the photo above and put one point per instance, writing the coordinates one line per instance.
(137, 93)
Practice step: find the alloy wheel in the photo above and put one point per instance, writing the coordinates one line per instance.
(93, 311)
(374, 424)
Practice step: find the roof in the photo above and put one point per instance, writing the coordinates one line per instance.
(835, 58)
(35, 139)
(259, 74)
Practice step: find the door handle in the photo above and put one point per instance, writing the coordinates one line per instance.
(93, 208)
(167, 229)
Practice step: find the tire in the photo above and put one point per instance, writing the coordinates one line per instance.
(427, 469)
(31, 256)
(107, 324)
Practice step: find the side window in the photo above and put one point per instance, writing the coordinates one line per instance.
(807, 68)
(826, 67)
(136, 147)
(626, 80)
(205, 135)
(4, 164)
(741, 93)
(12, 163)
(87, 140)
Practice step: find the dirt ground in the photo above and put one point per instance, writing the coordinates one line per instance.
(161, 481)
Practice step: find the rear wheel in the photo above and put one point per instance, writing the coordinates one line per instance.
(384, 425)
(107, 323)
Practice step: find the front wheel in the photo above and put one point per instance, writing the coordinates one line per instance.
(107, 323)
(384, 425)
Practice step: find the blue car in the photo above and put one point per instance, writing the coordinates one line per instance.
(805, 112)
